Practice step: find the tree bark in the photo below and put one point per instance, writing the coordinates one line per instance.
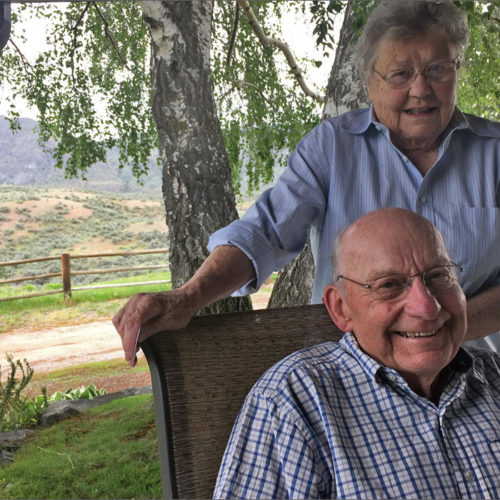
(345, 92)
(197, 190)
(294, 282)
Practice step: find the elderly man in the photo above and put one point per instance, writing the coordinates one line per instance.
(396, 409)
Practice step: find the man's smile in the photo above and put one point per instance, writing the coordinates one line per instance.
(412, 335)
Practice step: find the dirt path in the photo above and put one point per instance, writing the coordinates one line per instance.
(47, 350)
(56, 348)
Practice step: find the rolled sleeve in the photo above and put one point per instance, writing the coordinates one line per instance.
(274, 229)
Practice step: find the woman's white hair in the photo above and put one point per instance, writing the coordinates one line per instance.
(401, 19)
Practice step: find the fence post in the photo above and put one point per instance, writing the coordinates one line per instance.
(66, 275)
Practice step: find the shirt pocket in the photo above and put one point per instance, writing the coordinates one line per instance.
(474, 243)
(486, 464)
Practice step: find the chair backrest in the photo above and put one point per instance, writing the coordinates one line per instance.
(201, 375)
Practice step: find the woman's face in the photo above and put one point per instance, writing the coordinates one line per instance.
(416, 115)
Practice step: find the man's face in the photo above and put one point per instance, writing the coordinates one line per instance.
(417, 334)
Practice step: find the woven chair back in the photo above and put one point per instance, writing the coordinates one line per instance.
(201, 375)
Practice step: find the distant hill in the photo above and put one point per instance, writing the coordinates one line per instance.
(43, 222)
(24, 163)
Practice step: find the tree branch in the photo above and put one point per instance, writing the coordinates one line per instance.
(239, 84)
(27, 65)
(75, 36)
(266, 41)
(109, 36)
(232, 40)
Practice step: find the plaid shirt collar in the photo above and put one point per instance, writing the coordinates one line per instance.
(462, 365)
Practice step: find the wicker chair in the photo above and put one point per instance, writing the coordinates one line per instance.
(201, 375)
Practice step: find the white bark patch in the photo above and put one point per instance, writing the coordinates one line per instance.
(330, 108)
(353, 85)
(164, 32)
(175, 185)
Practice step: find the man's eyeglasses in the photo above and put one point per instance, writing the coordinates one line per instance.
(396, 286)
(439, 72)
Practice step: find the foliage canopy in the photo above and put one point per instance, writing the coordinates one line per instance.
(92, 90)
(92, 86)
(479, 84)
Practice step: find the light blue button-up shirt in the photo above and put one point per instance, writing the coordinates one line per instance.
(331, 422)
(346, 167)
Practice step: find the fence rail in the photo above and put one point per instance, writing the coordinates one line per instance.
(66, 272)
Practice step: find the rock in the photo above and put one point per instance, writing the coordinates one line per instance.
(10, 441)
(6, 457)
(64, 409)
(137, 391)
(59, 411)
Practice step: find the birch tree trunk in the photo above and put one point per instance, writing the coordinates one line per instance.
(197, 190)
(344, 92)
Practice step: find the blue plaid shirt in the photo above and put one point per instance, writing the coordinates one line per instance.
(331, 422)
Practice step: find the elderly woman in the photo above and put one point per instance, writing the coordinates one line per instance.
(411, 149)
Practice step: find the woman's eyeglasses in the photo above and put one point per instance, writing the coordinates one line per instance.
(439, 72)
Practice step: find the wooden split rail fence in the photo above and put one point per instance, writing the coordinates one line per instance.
(66, 272)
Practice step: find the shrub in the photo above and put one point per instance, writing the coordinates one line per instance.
(89, 392)
(17, 411)
(14, 411)
(23, 211)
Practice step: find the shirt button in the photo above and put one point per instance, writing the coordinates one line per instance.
(468, 475)
(423, 199)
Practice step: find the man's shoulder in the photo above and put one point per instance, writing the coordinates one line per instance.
(281, 376)
(486, 365)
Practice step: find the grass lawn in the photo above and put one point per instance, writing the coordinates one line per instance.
(40, 313)
(106, 452)
(83, 374)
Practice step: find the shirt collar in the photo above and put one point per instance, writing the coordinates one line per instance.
(369, 365)
(460, 364)
(457, 122)
(359, 120)
(465, 359)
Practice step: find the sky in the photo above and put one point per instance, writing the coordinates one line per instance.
(297, 34)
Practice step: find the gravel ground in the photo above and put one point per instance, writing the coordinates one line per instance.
(56, 348)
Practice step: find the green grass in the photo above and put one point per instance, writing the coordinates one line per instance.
(79, 295)
(98, 369)
(84, 306)
(107, 452)
(83, 374)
